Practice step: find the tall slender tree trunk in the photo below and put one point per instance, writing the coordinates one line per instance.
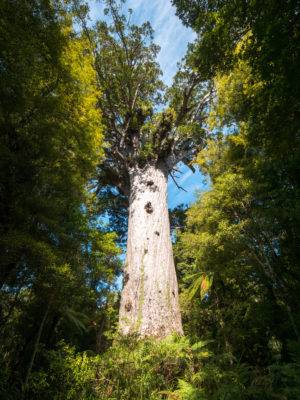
(35, 347)
(149, 302)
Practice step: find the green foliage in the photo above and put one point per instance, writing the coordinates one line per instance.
(245, 229)
(186, 391)
(201, 284)
(137, 130)
(168, 369)
(129, 77)
(68, 376)
(130, 369)
(55, 263)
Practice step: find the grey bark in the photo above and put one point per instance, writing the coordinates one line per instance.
(149, 301)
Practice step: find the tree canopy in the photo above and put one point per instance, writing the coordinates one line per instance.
(143, 121)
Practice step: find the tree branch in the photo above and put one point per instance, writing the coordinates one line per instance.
(178, 186)
(200, 106)
(187, 92)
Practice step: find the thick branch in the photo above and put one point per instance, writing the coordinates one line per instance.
(187, 93)
(114, 176)
(200, 106)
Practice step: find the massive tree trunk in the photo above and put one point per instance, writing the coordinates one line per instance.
(149, 302)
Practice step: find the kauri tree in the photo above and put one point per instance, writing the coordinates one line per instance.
(149, 130)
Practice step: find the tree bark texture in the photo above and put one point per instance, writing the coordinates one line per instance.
(149, 301)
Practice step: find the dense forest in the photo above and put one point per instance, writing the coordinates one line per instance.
(209, 304)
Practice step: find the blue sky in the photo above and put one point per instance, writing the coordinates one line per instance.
(173, 38)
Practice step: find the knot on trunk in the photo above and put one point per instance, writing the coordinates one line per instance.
(149, 208)
(128, 306)
(126, 278)
(150, 184)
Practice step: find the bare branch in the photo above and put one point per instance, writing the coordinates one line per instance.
(177, 170)
(200, 106)
(178, 186)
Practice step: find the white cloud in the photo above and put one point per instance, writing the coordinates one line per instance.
(185, 176)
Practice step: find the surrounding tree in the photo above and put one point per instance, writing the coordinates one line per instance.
(56, 264)
(243, 232)
(257, 84)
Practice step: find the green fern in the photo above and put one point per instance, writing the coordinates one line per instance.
(187, 391)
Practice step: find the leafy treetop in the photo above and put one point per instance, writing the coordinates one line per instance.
(145, 122)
